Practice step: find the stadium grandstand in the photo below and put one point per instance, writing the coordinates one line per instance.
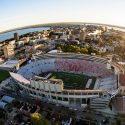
(68, 79)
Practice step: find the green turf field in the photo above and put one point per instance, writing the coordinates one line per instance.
(73, 81)
(3, 75)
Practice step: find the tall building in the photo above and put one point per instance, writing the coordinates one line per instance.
(16, 36)
(82, 35)
(9, 50)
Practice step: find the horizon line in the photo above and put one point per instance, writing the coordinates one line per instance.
(48, 24)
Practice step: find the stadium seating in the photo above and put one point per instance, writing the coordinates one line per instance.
(78, 66)
(98, 79)
(69, 65)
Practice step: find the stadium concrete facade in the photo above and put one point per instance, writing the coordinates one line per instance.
(97, 94)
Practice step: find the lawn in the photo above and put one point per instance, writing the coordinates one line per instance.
(3, 75)
(73, 81)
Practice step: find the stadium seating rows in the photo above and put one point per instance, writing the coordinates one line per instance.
(71, 56)
(67, 65)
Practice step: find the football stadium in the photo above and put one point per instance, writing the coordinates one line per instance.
(73, 80)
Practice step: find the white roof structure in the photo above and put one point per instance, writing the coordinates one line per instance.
(19, 78)
(54, 51)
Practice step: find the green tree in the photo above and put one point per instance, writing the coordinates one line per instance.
(77, 49)
(59, 48)
(88, 40)
(58, 123)
(118, 120)
(84, 50)
(98, 53)
(37, 119)
(40, 122)
(90, 49)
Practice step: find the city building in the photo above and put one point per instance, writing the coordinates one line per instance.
(12, 65)
(82, 35)
(16, 36)
(20, 43)
(9, 50)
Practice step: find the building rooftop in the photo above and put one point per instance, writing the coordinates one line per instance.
(7, 99)
(2, 104)
(19, 78)
(54, 51)
(9, 64)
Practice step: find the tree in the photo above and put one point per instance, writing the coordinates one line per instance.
(38, 120)
(58, 123)
(77, 49)
(1, 121)
(59, 48)
(16, 103)
(118, 120)
(98, 53)
(88, 40)
(84, 50)
(36, 116)
(50, 34)
(90, 49)
(38, 102)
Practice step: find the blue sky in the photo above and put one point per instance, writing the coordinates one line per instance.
(17, 13)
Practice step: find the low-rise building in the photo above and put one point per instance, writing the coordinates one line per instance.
(20, 43)
(9, 65)
(39, 46)
(12, 65)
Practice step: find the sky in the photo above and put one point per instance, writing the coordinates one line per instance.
(18, 13)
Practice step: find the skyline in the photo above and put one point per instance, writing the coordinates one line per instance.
(14, 14)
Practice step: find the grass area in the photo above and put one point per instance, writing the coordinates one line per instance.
(73, 81)
(3, 75)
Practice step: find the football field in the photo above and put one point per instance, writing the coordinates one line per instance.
(73, 81)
